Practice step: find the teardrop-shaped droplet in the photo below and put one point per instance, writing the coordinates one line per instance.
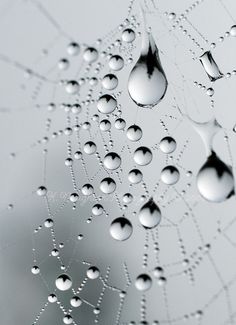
(215, 180)
(149, 215)
(147, 82)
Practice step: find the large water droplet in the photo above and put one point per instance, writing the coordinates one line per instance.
(143, 282)
(106, 104)
(170, 175)
(149, 215)
(112, 161)
(107, 185)
(63, 282)
(215, 180)
(142, 156)
(121, 229)
(147, 82)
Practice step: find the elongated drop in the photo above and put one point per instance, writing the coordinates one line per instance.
(147, 82)
(210, 66)
(215, 180)
(149, 215)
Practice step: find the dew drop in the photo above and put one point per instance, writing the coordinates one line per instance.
(142, 156)
(147, 82)
(215, 181)
(149, 215)
(112, 161)
(168, 145)
(109, 81)
(106, 104)
(63, 282)
(210, 66)
(116, 63)
(121, 229)
(170, 175)
(134, 133)
(143, 282)
(107, 185)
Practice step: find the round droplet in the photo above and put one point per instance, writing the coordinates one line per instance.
(87, 189)
(116, 62)
(35, 270)
(215, 180)
(90, 55)
(120, 124)
(142, 156)
(127, 198)
(75, 302)
(93, 272)
(143, 282)
(73, 48)
(168, 145)
(74, 197)
(149, 215)
(52, 298)
(134, 133)
(63, 64)
(112, 161)
(72, 87)
(67, 319)
(233, 31)
(63, 282)
(135, 176)
(128, 35)
(106, 104)
(97, 210)
(107, 185)
(105, 125)
(42, 191)
(109, 81)
(170, 175)
(90, 148)
(121, 229)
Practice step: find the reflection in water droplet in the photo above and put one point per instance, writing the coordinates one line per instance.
(147, 82)
(215, 180)
(167, 145)
(128, 35)
(112, 161)
(63, 282)
(134, 133)
(210, 66)
(121, 229)
(106, 104)
(149, 215)
(93, 272)
(135, 176)
(90, 55)
(170, 175)
(75, 302)
(116, 62)
(143, 282)
(107, 185)
(105, 125)
(142, 156)
(109, 81)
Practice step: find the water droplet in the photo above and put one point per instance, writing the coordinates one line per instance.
(112, 161)
(121, 229)
(168, 145)
(63, 282)
(170, 175)
(143, 282)
(107, 185)
(147, 82)
(210, 66)
(120, 124)
(134, 133)
(149, 215)
(73, 48)
(35, 270)
(128, 35)
(105, 125)
(109, 81)
(52, 298)
(97, 209)
(72, 87)
(233, 31)
(67, 319)
(75, 302)
(106, 104)
(116, 62)
(41, 191)
(90, 147)
(135, 176)
(90, 55)
(93, 272)
(142, 156)
(87, 189)
(215, 180)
